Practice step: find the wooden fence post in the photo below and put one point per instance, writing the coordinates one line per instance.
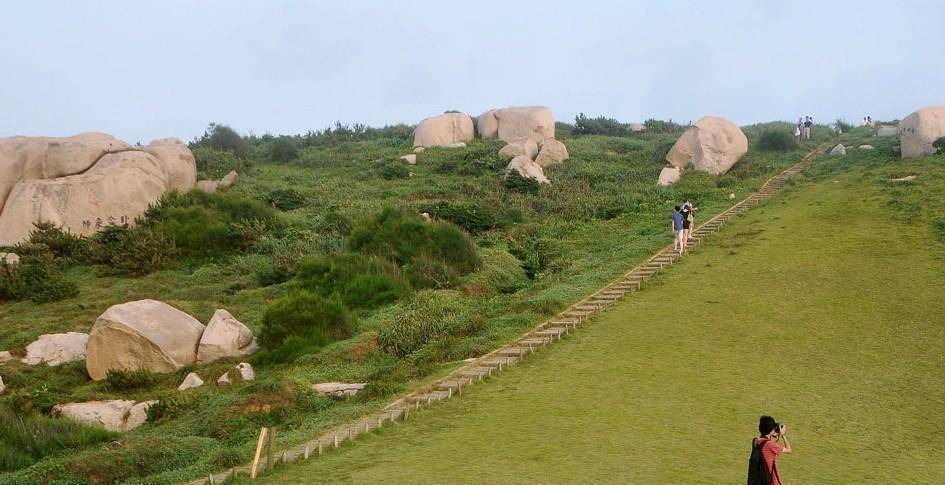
(254, 470)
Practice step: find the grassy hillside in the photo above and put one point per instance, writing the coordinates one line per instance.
(539, 250)
(821, 308)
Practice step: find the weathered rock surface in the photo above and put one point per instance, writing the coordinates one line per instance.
(526, 147)
(142, 334)
(552, 152)
(513, 124)
(225, 336)
(711, 145)
(887, 130)
(117, 415)
(443, 130)
(229, 179)
(919, 131)
(246, 371)
(669, 176)
(191, 381)
(866, 147)
(5, 356)
(526, 167)
(339, 389)
(637, 127)
(410, 159)
(9, 258)
(56, 348)
(83, 186)
(839, 150)
(458, 144)
(419, 150)
(210, 186)
(3, 386)
(242, 372)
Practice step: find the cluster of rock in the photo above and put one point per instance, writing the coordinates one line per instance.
(85, 182)
(920, 130)
(713, 144)
(529, 133)
(152, 335)
(226, 182)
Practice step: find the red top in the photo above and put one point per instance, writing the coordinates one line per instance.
(770, 452)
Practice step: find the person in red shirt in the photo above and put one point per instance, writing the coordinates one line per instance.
(770, 433)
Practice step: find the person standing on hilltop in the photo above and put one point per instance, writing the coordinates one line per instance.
(763, 463)
(808, 123)
(799, 129)
(676, 226)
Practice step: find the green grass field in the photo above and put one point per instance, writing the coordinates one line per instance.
(823, 308)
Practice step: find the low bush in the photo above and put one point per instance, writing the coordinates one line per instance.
(474, 218)
(360, 281)
(429, 316)
(777, 140)
(599, 126)
(306, 319)
(131, 250)
(427, 272)
(36, 278)
(537, 253)
(391, 170)
(26, 438)
(283, 149)
(284, 199)
(47, 237)
(127, 380)
(515, 182)
(214, 164)
(939, 145)
(221, 137)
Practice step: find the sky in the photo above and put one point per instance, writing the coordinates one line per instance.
(151, 69)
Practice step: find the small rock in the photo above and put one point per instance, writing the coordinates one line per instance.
(410, 159)
(426, 217)
(9, 259)
(419, 149)
(637, 127)
(246, 371)
(907, 178)
(191, 381)
(838, 150)
(208, 186)
(865, 147)
(669, 176)
(224, 380)
(458, 144)
(56, 348)
(116, 415)
(338, 389)
(5, 356)
(731, 196)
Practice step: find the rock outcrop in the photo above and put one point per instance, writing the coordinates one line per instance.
(443, 130)
(143, 334)
(526, 147)
(711, 145)
(552, 152)
(225, 336)
(410, 159)
(536, 123)
(56, 348)
(839, 150)
(339, 389)
(920, 130)
(242, 372)
(526, 167)
(85, 182)
(637, 127)
(669, 176)
(118, 415)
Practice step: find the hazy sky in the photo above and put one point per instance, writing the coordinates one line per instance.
(144, 70)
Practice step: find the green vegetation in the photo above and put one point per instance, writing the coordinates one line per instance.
(803, 308)
(777, 139)
(329, 263)
(25, 438)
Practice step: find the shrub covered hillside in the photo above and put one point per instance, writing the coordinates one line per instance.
(321, 249)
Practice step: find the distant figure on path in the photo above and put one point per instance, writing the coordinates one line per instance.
(689, 219)
(679, 242)
(807, 124)
(799, 129)
(869, 121)
(763, 463)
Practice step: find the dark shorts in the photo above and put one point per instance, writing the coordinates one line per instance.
(686, 224)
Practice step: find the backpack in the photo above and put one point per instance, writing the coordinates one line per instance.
(758, 473)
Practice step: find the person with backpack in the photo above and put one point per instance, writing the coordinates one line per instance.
(763, 462)
(679, 242)
(808, 123)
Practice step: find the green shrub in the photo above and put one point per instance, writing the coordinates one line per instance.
(127, 250)
(214, 164)
(427, 317)
(35, 278)
(777, 140)
(127, 380)
(285, 199)
(474, 218)
(222, 137)
(27, 438)
(47, 237)
(334, 222)
(938, 227)
(939, 145)
(307, 317)
(663, 126)
(283, 149)
(279, 270)
(360, 281)
(599, 126)
(843, 126)
(391, 170)
(515, 182)
(427, 272)
(536, 253)
(501, 272)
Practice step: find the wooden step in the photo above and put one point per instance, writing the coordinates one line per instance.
(475, 372)
(534, 341)
(566, 322)
(513, 351)
(498, 362)
(552, 332)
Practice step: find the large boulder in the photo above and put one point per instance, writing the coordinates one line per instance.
(118, 415)
(712, 145)
(525, 146)
(113, 188)
(143, 334)
(920, 129)
(225, 336)
(445, 129)
(669, 176)
(526, 167)
(513, 124)
(56, 348)
(552, 152)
